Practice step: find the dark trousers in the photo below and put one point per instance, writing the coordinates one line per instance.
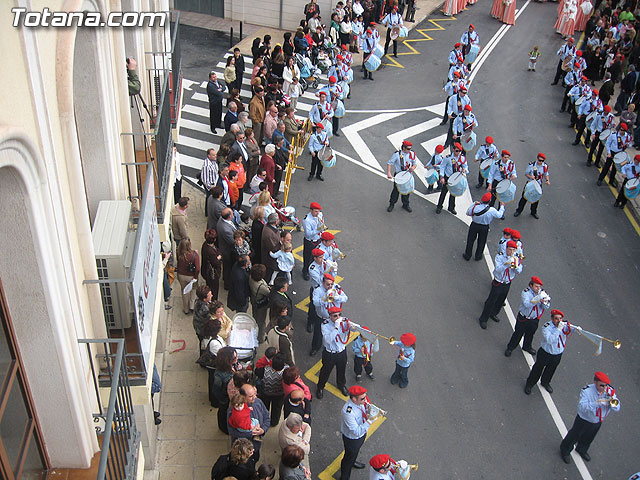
(316, 165)
(582, 433)
(445, 115)
(449, 139)
(443, 194)
(215, 115)
(222, 418)
(600, 145)
(525, 327)
(609, 168)
(544, 367)
(480, 232)
(211, 372)
(307, 257)
(275, 403)
(482, 180)
(497, 296)
(386, 44)
(316, 321)
(367, 73)
(581, 125)
(277, 176)
(523, 202)
(227, 264)
(358, 363)
(351, 450)
(335, 122)
(394, 197)
(565, 99)
(621, 199)
(400, 376)
(494, 184)
(329, 360)
(411, 11)
(177, 190)
(559, 72)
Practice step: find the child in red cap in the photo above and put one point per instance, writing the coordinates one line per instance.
(406, 356)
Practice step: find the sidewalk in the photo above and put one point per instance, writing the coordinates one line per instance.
(189, 441)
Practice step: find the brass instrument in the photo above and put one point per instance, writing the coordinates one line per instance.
(343, 256)
(616, 343)
(403, 469)
(614, 402)
(331, 293)
(373, 412)
(391, 339)
(515, 262)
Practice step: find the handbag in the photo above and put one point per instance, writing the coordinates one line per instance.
(171, 274)
(207, 359)
(192, 266)
(263, 302)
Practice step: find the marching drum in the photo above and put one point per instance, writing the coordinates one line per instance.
(566, 64)
(395, 32)
(339, 109)
(631, 188)
(404, 182)
(468, 140)
(591, 116)
(506, 191)
(327, 157)
(350, 75)
(457, 184)
(620, 159)
(431, 175)
(605, 134)
(473, 53)
(580, 101)
(372, 63)
(378, 50)
(404, 32)
(533, 191)
(485, 166)
(345, 90)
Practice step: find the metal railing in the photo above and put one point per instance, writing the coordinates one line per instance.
(116, 426)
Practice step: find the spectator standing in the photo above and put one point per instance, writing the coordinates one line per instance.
(239, 65)
(230, 73)
(272, 394)
(214, 91)
(254, 152)
(259, 294)
(295, 402)
(258, 412)
(226, 244)
(232, 115)
(238, 464)
(278, 337)
(294, 431)
(212, 341)
(226, 366)
(179, 220)
(238, 298)
(257, 111)
(188, 271)
(270, 123)
(211, 266)
(215, 207)
(201, 310)
(290, 464)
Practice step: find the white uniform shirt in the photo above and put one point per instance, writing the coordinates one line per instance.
(588, 407)
(554, 338)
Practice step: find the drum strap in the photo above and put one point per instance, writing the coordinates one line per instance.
(481, 212)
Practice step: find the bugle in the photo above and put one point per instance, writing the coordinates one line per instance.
(391, 340)
(374, 412)
(402, 469)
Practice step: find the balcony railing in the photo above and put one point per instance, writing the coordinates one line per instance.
(115, 424)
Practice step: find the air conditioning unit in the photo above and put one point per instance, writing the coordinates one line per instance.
(113, 246)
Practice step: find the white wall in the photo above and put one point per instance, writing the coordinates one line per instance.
(267, 12)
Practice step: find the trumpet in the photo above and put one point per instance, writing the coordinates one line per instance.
(614, 402)
(373, 412)
(403, 469)
(515, 262)
(343, 256)
(546, 298)
(331, 295)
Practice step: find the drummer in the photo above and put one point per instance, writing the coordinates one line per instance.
(464, 123)
(538, 171)
(503, 169)
(461, 69)
(335, 91)
(456, 162)
(617, 142)
(403, 160)
(487, 151)
(568, 50)
(368, 45)
(456, 108)
(347, 58)
(469, 38)
(629, 171)
(481, 216)
(434, 162)
(451, 88)
(317, 142)
(571, 79)
(455, 54)
(600, 123)
(322, 109)
(392, 19)
(593, 105)
(582, 89)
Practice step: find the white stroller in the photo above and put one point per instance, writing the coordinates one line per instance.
(244, 338)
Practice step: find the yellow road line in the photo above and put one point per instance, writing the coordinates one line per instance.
(426, 38)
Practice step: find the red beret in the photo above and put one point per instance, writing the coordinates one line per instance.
(471, 26)
(439, 149)
(457, 145)
(357, 390)
(379, 461)
(570, 39)
(319, 126)
(408, 339)
(368, 30)
(315, 206)
(489, 140)
(328, 276)
(623, 126)
(395, 8)
(516, 234)
(576, 65)
(316, 252)
(536, 280)
(579, 53)
(607, 108)
(637, 157)
(339, 57)
(327, 236)
(584, 78)
(322, 92)
(344, 47)
(512, 244)
(457, 45)
(486, 198)
(508, 231)
(601, 377)
(334, 309)
(463, 88)
(542, 155)
(557, 312)
(407, 143)
(372, 23)
(333, 79)
(467, 107)
(506, 152)
(457, 74)
(596, 92)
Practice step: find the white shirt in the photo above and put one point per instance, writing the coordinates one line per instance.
(176, 167)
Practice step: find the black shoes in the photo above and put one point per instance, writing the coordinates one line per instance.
(527, 389)
(585, 456)
(599, 182)
(467, 258)
(531, 351)
(310, 178)
(494, 318)
(576, 142)
(407, 208)
(358, 464)
(345, 391)
(371, 376)
(517, 213)
(535, 215)
(320, 177)
(336, 134)
(313, 353)
(438, 210)
(547, 387)
(452, 210)
(319, 393)
(305, 275)
(483, 325)
(565, 457)
(477, 259)
(390, 208)
(479, 185)
(613, 183)
(507, 353)
(309, 327)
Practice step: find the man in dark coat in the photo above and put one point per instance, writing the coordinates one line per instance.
(226, 244)
(238, 298)
(270, 243)
(215, 90)
(239, 68)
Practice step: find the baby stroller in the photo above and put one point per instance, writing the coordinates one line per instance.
(244, 339)
(287, 216)
(308, 72)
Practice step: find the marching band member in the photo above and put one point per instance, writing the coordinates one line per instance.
(368, 44)
(592, 104)
(571, 79)
(463, 123)
(507, 266)
(468, 38)
(381, 467)
(601, 122)
(502, 243)
(325, 296)
(317, 142)
(481, 216)
(450, 88)
(503, 169)
(392, 19)
(321, 109)
(595, 106)
(533, 303)
(566, 50)
(363, 350)
(347, 56)
(486, 151)
(629, 171)
(354, 427)
(376, 33)
(402, 160)
(516, 236)
(335, 336)
(538, 171)
(333, 92)
(331, 251)
(406, 356)
(313, 224)
(460, 69)
(597, 400)
(456, 108)
(581, 89)
(618, 141)
(455, 162)
(455, 54)
(435, 161)
(554, 340)
(578, 58)
(316, 272)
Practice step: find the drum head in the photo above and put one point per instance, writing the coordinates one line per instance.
(503, 186)
(591, 116)
(486, 164)
(633, 184)
(455, 178)
(402, 177)
(395, 32)
(605, 134)
(620, 158)
(580, 101)
(325, 154)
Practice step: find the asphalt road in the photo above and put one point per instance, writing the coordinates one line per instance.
(464, 414)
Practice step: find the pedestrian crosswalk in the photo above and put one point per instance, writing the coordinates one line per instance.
(195, 137)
